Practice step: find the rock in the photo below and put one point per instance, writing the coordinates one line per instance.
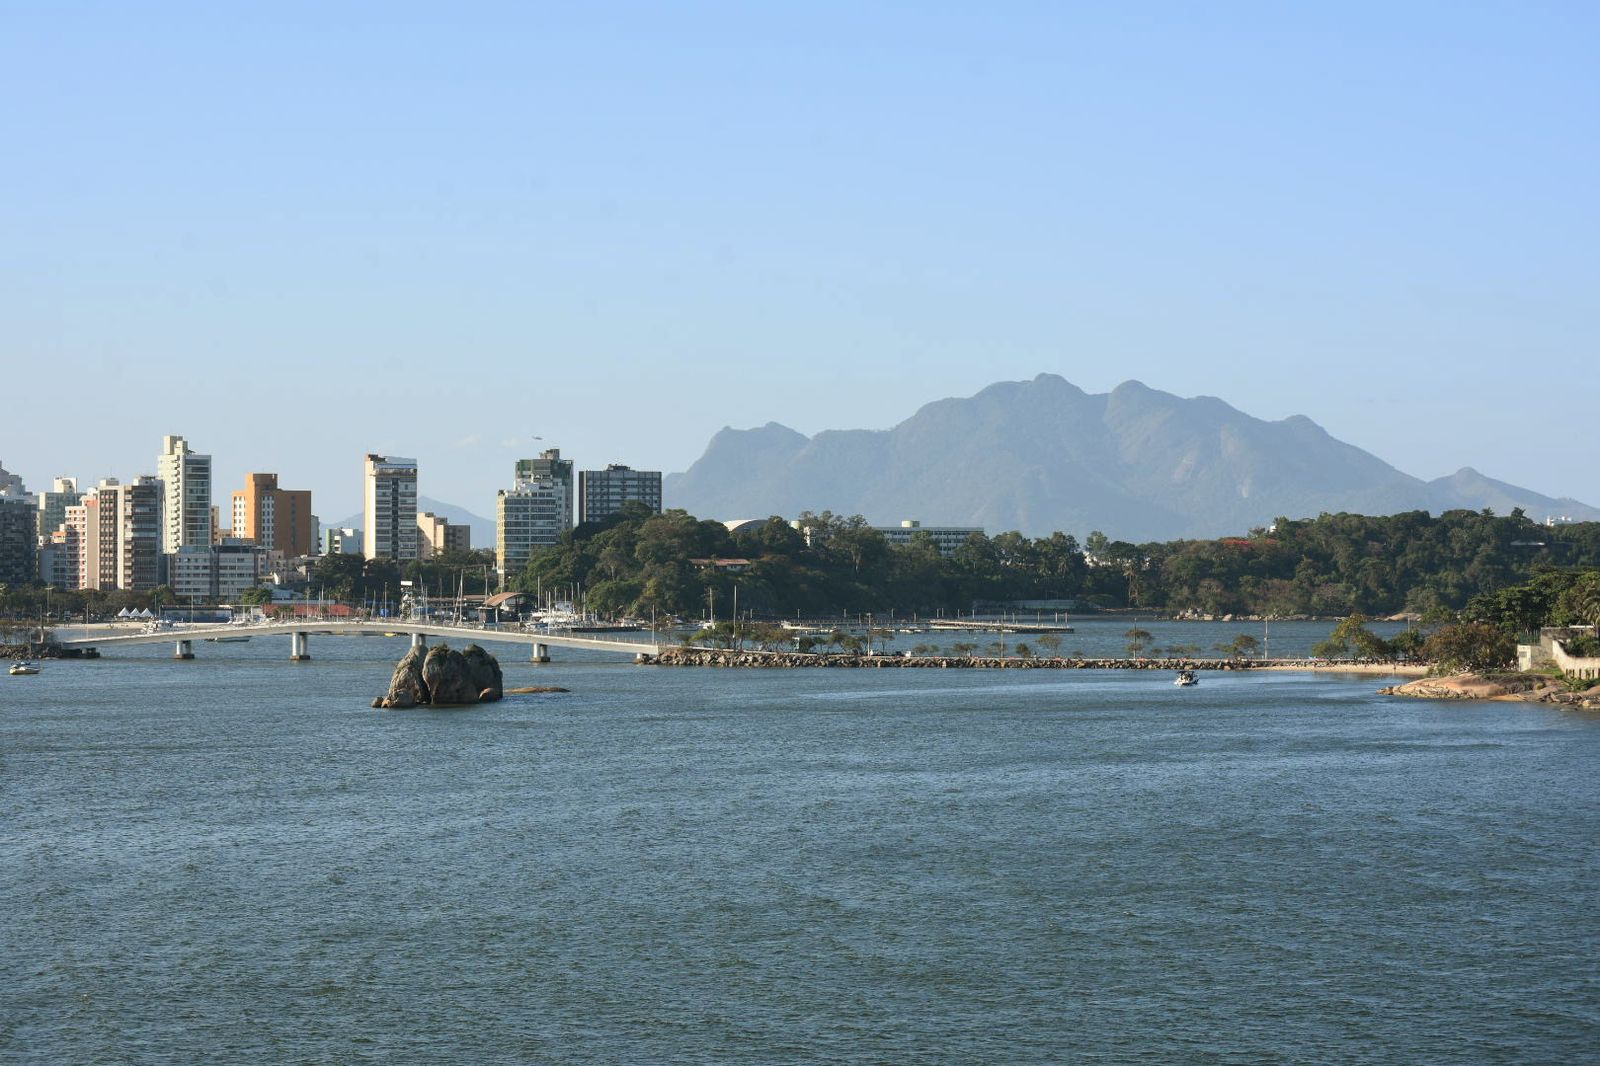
(377, 701)
(1529, 687)
(483, 670)
(406, 688)
(446, 674)
(440, 677)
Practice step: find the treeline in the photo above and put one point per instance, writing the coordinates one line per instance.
(1334, 565)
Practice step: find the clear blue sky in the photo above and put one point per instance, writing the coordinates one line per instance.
(298, 232)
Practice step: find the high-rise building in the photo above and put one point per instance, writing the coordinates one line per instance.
(140, 508)
(186, 480)
(64, 547)
(534, 512)
(53, 505)
(276, 519)
(19, 540)
(389, 528)
(601, 493)
(121, 539)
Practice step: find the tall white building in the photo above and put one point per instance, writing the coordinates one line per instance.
(389, 529)
(534, 512)
(186, 496)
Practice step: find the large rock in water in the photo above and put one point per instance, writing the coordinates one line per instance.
(406, 688)
(439, 676)
(483, 670)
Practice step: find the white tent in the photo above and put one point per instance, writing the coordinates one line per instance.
(146, 613)
(125, 613)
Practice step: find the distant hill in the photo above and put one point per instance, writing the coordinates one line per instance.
(1044, 455)
(482, 528)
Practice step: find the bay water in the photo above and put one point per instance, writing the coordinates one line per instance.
(237, 859)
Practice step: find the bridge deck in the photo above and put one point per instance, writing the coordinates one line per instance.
(469, 634)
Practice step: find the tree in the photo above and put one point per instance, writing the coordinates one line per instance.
(255, 596)
(1050, 643)
(1352, 637)
(1138, 639)
(1471, 646)
(1243, 646)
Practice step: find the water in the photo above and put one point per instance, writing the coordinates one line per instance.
(235, 859)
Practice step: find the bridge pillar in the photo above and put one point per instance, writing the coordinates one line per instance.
(419, 640)
(541, 653)
(299, 647)
(184, 650)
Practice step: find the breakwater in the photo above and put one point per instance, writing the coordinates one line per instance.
(796, 660)
(49, 650)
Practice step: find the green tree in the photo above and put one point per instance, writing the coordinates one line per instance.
(1138, 639)
(1351, 637)
(1471, 646)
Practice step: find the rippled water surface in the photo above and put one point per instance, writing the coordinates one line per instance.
(236, 859)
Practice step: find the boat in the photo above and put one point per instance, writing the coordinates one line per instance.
(23, 669)
(227, 640)
(1186, 679)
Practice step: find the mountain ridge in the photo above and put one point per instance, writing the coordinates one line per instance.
(1043, 454)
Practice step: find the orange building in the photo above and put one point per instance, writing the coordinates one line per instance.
(276, 519)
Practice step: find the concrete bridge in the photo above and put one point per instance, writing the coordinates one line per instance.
(300, 632)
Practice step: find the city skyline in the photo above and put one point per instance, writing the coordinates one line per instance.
(366, 230)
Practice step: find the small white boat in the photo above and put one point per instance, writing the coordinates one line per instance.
(22, 669)
(1186, 679)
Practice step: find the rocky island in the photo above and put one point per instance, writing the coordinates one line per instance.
(441, 677)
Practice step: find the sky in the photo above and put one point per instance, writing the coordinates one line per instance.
(297, 233)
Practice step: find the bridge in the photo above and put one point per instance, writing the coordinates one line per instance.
(300, 632)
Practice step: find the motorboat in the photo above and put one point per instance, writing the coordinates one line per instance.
(23, 669)
(1186, 679)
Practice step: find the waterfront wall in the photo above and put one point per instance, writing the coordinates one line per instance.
(1572, 665)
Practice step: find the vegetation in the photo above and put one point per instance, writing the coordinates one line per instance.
(1338, 565)
(1473, 646)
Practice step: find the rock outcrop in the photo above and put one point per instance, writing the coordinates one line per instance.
(1527, 688)
(440, 677)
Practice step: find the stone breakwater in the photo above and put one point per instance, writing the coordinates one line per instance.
(797, 660)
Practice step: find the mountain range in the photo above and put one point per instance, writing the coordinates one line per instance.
(1043, 455)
